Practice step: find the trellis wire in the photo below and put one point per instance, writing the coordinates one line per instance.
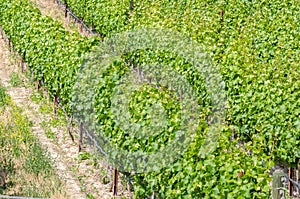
(91, 138)
(294, 183)
(60, 3)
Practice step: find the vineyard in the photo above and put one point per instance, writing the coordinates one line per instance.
(254, 44)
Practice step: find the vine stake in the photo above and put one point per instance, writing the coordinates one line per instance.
(69, 128)
(80, 137)
(55, 105)
(115, 182)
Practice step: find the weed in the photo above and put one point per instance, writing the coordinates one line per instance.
(56, 122)
(25, 168)
(36, 97)
(3, 97)
(46, 109)
(89, 196)
(15, 80)
(84, 156)
(50, 134)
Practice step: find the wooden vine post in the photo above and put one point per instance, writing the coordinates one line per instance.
(81, 27)
(80, 137)
(278, 184)
(3, 177)
(115, 182)
(9, 45)
(221, 19)
(55, 105)
(38, 85)
(66, 10)
(131, 5)
(69, 128)
(22, 62)
(131, 9)
(181, 94)
(290, 187)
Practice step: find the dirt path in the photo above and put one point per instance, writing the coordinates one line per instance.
(52, 9)
(21, 96)
(82, 178)
(85, 175)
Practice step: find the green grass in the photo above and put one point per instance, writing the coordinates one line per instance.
(84, 155)
(36, 97)
(15, 80)
(46, 107)
(25, 169)
(60, 121)
(3, 97)
(50, 134)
